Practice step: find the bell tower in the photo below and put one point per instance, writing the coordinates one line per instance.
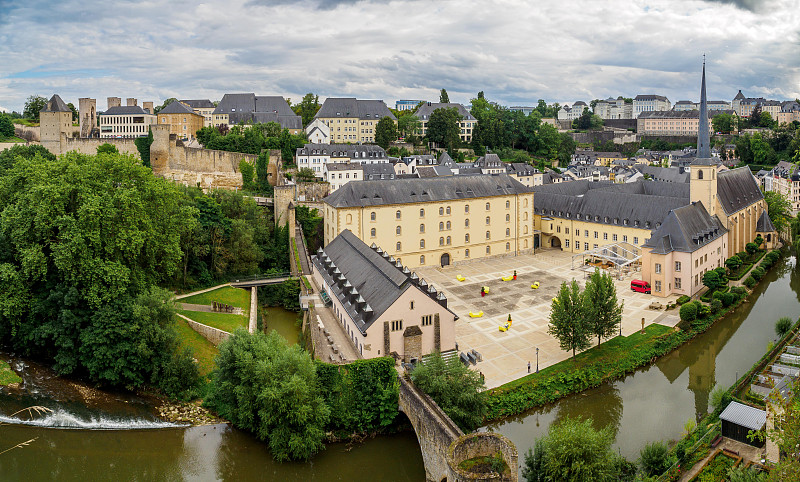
(703, 181)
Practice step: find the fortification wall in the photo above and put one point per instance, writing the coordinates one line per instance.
(89, 145)
(27, 132)
(312, 191)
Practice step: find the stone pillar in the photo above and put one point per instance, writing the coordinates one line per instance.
(412, 343)
(283, 196)
(386, 345)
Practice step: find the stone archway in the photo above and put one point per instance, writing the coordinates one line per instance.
(445, 260)
(555, 242)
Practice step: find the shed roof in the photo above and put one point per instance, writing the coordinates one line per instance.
(744, 415)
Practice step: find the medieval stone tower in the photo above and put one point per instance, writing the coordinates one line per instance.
(703, 182)
(87, 112)
(159, 149)
(55, 121)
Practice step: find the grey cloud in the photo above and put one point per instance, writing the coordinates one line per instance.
(752, 5)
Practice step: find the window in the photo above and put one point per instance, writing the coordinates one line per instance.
(466, 253)
(398, 230)
(447, 226)
(422, 243)
(508, 204)
(441, 211)
(397, 214)
(586, 246)
(613, 237)
(595, 235)
(399, 246)
(508, 217)
(441, 241)
(566, 243)
(508, 246)
(488, 220)
(677, 268)
(696, 263)
(624, 238)
(372, 216)
(488, 250)
(566, 230)
(421, 228)
(658, 268)
(422, 259)
(508, 232)
(525, 229)
(658, 286)
(635, 240)
(349, 218)
(488, 235)
(699, 174)
(411, 305)
(677, 283)
(466, 209)
(372, 233)
(605, 236)
(422, 213)
(525, 215)
(441, 226)
(397, 325)
(586, 233)
(488, 206)
(448, 240)
(558, 229)
(447, 210)
(427, 320)
(466, 238)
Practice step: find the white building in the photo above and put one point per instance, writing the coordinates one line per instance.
(318, 132)
(571, 113)
(649, 103)
(317, 156)
(125, 122)
(614, 109)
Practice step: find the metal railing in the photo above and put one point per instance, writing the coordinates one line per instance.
(257, 277)
(711, 430)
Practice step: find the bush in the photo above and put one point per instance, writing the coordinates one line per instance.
(702, 310)
(716, 305)
(688, 312)
(782, 326)
(750, 282)
(728, 299)
(738, 291)
(654, 459)
(682, 299)
(758, 273)
(751, 248)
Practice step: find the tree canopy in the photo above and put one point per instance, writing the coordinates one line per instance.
(602, 309)
(33, 105)
(778, 209)
(385, 132)
(443, 97)
(6, 126)
(442, 128)
(568, 321)
(307, 108)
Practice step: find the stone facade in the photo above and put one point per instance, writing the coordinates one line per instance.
(87, 114)
(477, 445)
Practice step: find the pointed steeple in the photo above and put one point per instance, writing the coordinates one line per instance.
(703, 137)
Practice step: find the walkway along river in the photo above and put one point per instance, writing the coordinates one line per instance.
(651, 404)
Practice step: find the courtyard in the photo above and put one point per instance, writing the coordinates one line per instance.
(506, 354)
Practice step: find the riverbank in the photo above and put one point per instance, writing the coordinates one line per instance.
(612, 360)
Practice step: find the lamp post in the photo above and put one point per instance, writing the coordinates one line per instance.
(537, 359)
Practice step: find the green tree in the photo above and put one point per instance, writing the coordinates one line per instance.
(6, 126)
(603, 312)
(712, 280)
(33, 106)
(782, 326)
(107, 148)
(572, 451)
(765, 120)
(443, 97)
(751, 248)
(270, 388)
(74, 111)
(568, 319)
(312, 224)
(778, 209)
(307, 108)
(143, 146)
(443, 128)
(385, 132)
(305, 174)
(262, 174)
(723, 123)
(246, 169)
(408, 125)
(733, 263)
(688, 312)
(161, 107)
(654, 459)
(454, 387)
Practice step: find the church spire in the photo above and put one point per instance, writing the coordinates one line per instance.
(703, 137)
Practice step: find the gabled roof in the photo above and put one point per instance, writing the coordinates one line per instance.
(367, 282)
(176, 107)
(425, 110)
(55, 104)
(250, 108)
(374, 171)
(199, 103)
(647, 97)
(401, 191)
(764, 224)
(744, 416)
(739, 96)
(351, 107)
(737, 189)
(686, 229)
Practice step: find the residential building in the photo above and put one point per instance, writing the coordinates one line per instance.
(351, 120)
(318, 132)
(682, 105)
(249, 108)
(790, 112)
(526, 174)
(379, 172)
(436, 221)
(614, 109)
(784, 179)
(317, 156)
(181, 119)
(744, 105)
(385, 308)
(672, 122)
(204, 107)
(490, 164)
(125, 122)
(570, 113)
(406, 104)
(465, 125)
(340, 173)
(596, 158)
(649, 103)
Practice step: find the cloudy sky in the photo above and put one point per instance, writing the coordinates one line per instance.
(516, 51)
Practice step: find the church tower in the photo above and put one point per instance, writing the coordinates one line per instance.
(703, 182)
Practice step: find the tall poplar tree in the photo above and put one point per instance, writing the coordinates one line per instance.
(603, 312)
(568, 320)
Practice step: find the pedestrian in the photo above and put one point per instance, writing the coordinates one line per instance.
(529, 367)
(483, 292)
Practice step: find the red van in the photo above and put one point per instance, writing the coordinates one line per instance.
(640, 286)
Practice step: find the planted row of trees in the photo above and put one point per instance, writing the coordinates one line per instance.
(576, 316)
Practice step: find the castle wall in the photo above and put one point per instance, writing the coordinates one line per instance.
(89, 146)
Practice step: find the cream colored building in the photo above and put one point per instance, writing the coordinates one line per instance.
(55, 118)
(125, 122)
(181, 119)
(672, 123)
(249, 108)
(436, 221)
(338, 174)
(385, 308)
(466, 125)
(203, 107)
(351, 120)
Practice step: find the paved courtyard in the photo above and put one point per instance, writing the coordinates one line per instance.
(506, 355)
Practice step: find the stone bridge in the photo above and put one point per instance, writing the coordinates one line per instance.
(444, 445)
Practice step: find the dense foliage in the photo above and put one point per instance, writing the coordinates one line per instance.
(454, 387)
(85, 242)
(252, 139)
(385, 132)
(143, 146)
(6, 126)
(313, 227)
(33, 106)
(779, 144)
(270, 388)
(284, 295)
(654, 459)
(602, 310)
(779, 209)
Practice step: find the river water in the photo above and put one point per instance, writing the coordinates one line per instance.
(651, 404)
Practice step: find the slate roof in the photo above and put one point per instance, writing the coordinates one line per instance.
(764, 224)
(55, 104)
(343, 166)
(647, 97)
(686, 229)
(739, 96)
(401, 191)
(199, 103)
(366, 281)
(176, 107)
(250, 108)
(354, 151)
(425, 110)
(126, 110)
(737, 189)
(373, 172)
(352, 107)
(665, 174)
(744, 416)
(680, 114)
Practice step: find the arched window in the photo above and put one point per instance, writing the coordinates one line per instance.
(397, 214)
(508, 232)
(422, 259)
(441, 226)
(508, 204)
(466, 238)
(488, 250)
(448, 209)
(525, 229)
(524, 203)
(372, 232)
(441, 241)
(466, 209)
(422, 213)
(525, 216)
(349, 218)
(399, 246)
(441, 211)
(488, 206)
(398, 230)
(422, 243)
(448, 240)
(699, 174)
(508, 246)
(448, 225)
(526, 243)
(488, 235)
(508, 217)
(466, 253)
(421, 228)
(372, 216)
(466, 223)
(488, 220)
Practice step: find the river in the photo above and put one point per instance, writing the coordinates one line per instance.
(651, 404)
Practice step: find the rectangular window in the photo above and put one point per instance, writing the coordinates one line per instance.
(677, 266)
(595, 235)
(586, 233)
(397, 325)
(658, 268)
(613, 237)
(677, 283)
(658, 286)
(566, 243)
(427, 320)
(624, 238)
(696, 280)
(586, 246)
(605, 236)
(635, 240)
(566, 230)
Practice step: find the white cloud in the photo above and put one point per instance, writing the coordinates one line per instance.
(514, 50)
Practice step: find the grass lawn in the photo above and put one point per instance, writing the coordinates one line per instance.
(228, 295)
(607, 353)
(224, 321)
(7, 375)
(204, 351)
(11, 139)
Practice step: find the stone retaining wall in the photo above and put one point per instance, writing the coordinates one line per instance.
(214, 335)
